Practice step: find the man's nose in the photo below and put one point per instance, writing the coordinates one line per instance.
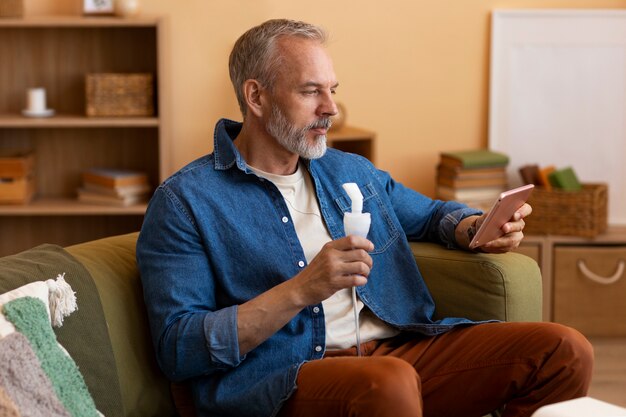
(328, 107)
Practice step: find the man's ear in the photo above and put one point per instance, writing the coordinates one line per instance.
(253, 92)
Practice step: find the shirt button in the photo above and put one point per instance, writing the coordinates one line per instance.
(316, 309)
(318, 348)
(285, 219)
(301, 264)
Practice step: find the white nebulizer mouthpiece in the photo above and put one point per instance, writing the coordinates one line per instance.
(356, 223)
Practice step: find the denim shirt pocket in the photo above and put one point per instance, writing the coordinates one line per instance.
(383, 231)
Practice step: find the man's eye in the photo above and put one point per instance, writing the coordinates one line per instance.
(310, 92)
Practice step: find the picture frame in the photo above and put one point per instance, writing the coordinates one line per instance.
(98, 7)
(557, 97)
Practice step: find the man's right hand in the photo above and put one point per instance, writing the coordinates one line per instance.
(342, 263)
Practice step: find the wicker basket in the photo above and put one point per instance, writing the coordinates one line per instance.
(11, 8)
(572, 213)
(120, 94)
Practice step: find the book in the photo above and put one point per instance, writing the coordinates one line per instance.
(460, 172)
(477, 158)
(110, 177)
(469, 194)
(565, 179)
(460, 183)
(530, 174)
(118, 191)
(544, 173)
(97, 198)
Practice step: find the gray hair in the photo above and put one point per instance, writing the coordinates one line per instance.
(254, 54)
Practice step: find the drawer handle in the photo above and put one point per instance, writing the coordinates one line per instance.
(600, 279)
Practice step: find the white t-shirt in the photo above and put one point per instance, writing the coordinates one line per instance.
(299, 193)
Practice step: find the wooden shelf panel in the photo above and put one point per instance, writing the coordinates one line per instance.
(78, 21)
(70, 121)
(68, 207)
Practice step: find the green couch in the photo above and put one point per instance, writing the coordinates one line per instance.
(108, 335)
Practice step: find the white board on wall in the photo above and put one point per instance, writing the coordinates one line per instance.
(558, 94)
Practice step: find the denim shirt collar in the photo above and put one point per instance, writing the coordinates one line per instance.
(225, 152)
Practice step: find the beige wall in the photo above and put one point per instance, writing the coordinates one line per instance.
(414, 71)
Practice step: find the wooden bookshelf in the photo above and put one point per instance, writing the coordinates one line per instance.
(56, 52)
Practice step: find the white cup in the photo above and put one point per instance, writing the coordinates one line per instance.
(36, 100)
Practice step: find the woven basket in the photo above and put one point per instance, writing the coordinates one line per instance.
(11, 8)
(571, 213)
(120, 94)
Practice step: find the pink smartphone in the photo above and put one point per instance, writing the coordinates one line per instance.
(500, 213)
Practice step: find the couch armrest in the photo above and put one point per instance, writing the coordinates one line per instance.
(480, 286)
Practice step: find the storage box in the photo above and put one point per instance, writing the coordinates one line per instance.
(11, 8)
(15, 164)
(589, 288)
(112, 94)
(573, 213)
(17, 190)
(17, 179)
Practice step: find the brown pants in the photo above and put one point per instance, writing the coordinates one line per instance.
(467, 372)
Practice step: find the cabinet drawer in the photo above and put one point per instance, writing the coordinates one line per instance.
(531, 250)
(590, 289)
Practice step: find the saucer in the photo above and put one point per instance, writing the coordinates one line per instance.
(44, 113)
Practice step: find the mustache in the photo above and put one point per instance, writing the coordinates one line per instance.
(324, 123)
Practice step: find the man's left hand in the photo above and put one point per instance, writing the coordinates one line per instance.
(511, 239)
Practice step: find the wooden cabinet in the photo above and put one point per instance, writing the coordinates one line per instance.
(584, 280)
(354, 140)
(56, 53)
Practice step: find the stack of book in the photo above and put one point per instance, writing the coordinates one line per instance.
(115, 187)
(473, 177)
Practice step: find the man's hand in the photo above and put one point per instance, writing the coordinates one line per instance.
(342, 263)
(513, 231)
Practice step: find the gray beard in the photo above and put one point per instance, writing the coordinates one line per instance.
(294, 139)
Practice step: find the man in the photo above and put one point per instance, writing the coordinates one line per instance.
(247, 271)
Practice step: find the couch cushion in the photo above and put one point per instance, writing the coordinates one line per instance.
(83, 334)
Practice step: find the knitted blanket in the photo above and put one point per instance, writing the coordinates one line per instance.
(37, 376)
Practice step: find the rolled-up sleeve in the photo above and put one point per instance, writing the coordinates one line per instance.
(450, 221)
(222, 340)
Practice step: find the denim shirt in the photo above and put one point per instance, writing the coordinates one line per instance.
(215, 236)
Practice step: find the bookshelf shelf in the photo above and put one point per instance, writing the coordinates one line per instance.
(79, 21)
(68, 207)
(56, 53)
(21, 122)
